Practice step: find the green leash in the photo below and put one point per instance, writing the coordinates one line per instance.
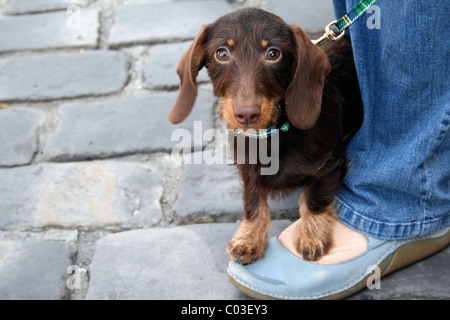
(336, 29)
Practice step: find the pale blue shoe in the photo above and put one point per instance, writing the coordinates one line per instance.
(282, 275)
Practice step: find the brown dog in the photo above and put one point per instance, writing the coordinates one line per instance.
(266, 72)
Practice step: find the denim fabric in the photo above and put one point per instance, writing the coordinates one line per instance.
(399, 181)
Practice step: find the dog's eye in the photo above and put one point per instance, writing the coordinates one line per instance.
(222, 55)
(273, 54)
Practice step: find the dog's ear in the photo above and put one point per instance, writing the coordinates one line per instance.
(190, 64)
(304, 94)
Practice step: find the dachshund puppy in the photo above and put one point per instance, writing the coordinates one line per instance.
(267, 73)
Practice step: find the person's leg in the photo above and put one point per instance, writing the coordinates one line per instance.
(399, 181)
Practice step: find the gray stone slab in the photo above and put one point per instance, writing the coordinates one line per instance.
(62, 75)
(19, 129)
(124, 126)
(33, 270)
(49, 30)
(164, 21)
(186, 262)
(213, 192)
(161, 69)
(88, 194)
(67, 236)
(311, 15)
(32, 6)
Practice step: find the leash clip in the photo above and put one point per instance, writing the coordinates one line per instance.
(330, 34)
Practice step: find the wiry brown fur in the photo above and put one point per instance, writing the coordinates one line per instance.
(315, 89)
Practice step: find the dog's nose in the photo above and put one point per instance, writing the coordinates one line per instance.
(247, 114)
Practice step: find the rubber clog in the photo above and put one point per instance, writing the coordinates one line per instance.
(282, 275)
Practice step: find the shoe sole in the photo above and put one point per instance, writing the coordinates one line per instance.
(405, 255)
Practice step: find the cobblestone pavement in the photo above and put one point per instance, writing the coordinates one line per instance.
(92, 205)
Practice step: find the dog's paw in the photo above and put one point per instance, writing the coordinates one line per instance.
(312, 249)
(245, 252)
(313, 238)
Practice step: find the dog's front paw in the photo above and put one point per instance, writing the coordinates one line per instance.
(313, 239)
(245, 251)
(312, 249)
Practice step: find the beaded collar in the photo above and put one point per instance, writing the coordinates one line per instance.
(264, 133)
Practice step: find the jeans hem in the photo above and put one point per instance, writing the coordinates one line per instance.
(387, 230)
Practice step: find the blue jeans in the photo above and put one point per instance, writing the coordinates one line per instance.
(399, 180)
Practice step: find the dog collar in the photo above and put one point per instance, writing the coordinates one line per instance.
(264, 133)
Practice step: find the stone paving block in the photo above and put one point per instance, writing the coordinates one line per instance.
(49, 30)
(62, 75)
(33, 270)
(164, 21)
(161, 69)
(86, 194)
(31, 6)
(186, 262)
(68, 236)
(311, 15)
(19, 129)
(125, 125)
(209, 193)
